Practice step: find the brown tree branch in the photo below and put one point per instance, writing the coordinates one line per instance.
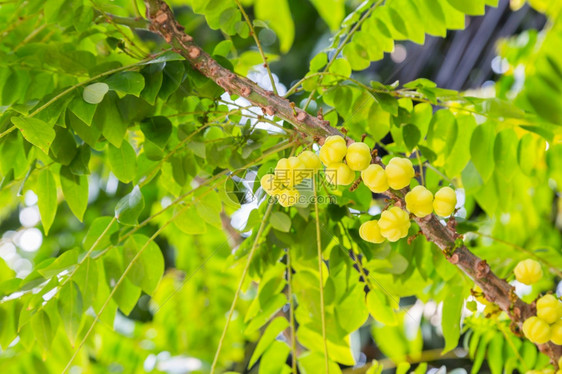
(495, 289)
(162, 20)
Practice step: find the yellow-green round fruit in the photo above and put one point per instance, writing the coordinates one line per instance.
(340, 174)
(394, 224)
(549, 308)
(358, 156)
(269, 184)
(399, 172)
(536, 330)
(311, 162)
(374, 178)
(419, 201)
(282, 170)
(288, 197)
(333, 150)
(445, 201)
(371, 232)
(556, 333)
(297, 169)
(528, 271)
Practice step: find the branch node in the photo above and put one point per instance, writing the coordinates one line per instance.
(454, 259)
(186, 38)
(269, 110)
(161, 17)
(301, 116)
(245, 91)
(482, 269)
(193, 52)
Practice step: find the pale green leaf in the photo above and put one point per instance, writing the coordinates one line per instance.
(75, 190)
(47, 198)
(35, 131)
(94, 93)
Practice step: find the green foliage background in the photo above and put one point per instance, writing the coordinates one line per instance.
(139, 263)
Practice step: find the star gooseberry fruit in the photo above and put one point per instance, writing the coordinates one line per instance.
(549, 309)
(358, 156)
(528, 271)
(394, 224)
(371, 232)
(399, 172)
(340, 174)
(556, 333)
(288, 197)
(289, 171)
(445, 201)
(269, 184)
(333, 150)
(419, 201)
(374, 178)
(311, 162)
(536, 330)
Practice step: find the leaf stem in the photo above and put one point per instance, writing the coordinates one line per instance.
(320, 262)
(241, 283)
(258, 44)
(292, 315)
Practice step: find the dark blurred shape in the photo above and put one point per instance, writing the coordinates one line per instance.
(463, 59)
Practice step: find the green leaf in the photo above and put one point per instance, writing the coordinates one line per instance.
(460, 153)
(274, 358)
(331, 11)
(189, 221)
(280, 221)
(47, 198)
(129, 208)
(127, 294)
(95, 231)
(471, 7)
(274, 328)
(505, 153)
(482, 149)
(122, 161)
(80, 163)
(126, 82)
(70, 308)
(451, 317)
(65, 261)
(35, 131)
(94, 93)
(42, 330)
(380, 309)
(75, 190)
(318, 62)
(411, 135)
(341, 66)
(148, 268)
(63, 148)
(83, 110)
(495, 354)
(157, 130)
(278, 14)
(109, 120)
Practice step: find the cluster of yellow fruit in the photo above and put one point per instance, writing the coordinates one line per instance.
(342, 162)
(289, 172)
(547, 324)
(395, 222)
